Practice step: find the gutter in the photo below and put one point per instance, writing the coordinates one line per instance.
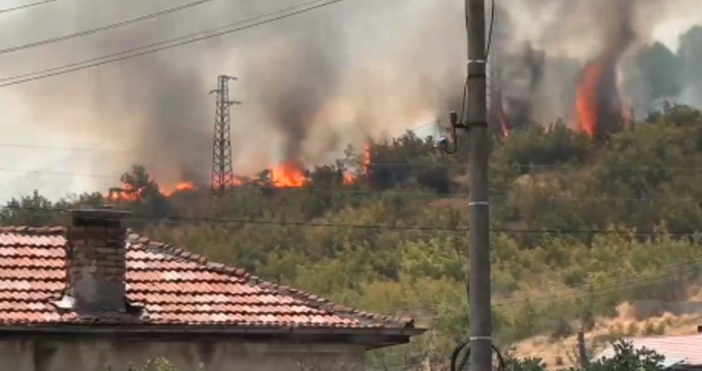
(205, 330)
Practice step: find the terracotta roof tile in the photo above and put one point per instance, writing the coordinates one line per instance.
(171, 285)
(685, 348)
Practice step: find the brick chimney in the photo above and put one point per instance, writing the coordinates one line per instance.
(96, 260)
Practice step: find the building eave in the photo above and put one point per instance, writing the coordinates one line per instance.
(371, 338)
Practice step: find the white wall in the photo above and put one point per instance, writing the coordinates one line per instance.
(51, 355)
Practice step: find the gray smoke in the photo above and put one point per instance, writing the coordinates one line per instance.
(653, 75)
(689, 57)
(294, 81)
(310, 84)
(521, 77)
(569, 36)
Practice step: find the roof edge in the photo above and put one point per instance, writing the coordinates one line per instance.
(34, 230)
(369, 338)
(392, 322)
(95, 329)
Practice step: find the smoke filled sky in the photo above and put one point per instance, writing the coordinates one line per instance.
(310, 84)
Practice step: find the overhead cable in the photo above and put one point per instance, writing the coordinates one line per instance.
(167, 44)
(103, 28)
(25, 6)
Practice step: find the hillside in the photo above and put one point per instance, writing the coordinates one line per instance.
(580, 226)
(560, 353)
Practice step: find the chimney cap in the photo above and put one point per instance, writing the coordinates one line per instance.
(99, 213)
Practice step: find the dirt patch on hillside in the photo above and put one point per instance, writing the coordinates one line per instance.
(562, 353)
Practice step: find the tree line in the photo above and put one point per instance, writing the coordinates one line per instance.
(579, 226)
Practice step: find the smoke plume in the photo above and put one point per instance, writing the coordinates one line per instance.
(596, 58)
(310, 84)
(293, 82)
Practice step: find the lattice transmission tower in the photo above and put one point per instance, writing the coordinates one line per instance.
(222, 178)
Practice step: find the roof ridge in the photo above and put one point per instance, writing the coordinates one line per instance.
(315, 301)
(665, 336)
(33, 230)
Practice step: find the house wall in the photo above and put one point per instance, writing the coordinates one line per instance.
(91, 355)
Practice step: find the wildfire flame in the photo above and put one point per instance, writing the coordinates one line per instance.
(586, 97)
(349, 178)
(365, 160)
(126, 193)
(287, 175)
(182, 186)
(503, 125)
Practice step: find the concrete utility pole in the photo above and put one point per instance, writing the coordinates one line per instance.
(479, 224)
(582, 350)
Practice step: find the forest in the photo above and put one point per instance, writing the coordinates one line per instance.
(579, 225)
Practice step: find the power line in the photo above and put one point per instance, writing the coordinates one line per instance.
(247, 221)
(593, 289)
(103, 28)
(59, 148)
(404, 164)
(598, 289)
(26, 6)
(126, 54)
(99, 150)
(542, 166)
(26, 171)
(202, 220)
(389, 192)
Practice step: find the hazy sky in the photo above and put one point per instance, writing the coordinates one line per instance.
(668, 32)
(36, 114)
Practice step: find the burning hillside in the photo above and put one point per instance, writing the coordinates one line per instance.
(347, 84)
(138, 183)
(593, 63)
(598, 103)
(292, 174)
(586, 103)
(288, 174)
(129, 192)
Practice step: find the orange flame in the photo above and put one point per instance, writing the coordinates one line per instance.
(503, 125)
(365, 160)
(182, 186)
(287, 175)
(124, 193)
(586, 97)
(349, 178)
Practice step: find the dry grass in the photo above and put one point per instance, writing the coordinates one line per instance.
(561, 353)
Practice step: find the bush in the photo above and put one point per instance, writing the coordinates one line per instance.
(158, 364)
(626, 358)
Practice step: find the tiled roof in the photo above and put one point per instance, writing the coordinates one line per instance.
(170, 285)
(684, 348)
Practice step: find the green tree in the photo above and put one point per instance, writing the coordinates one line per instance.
(626, 358)
(33, 211)
(142, 195)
